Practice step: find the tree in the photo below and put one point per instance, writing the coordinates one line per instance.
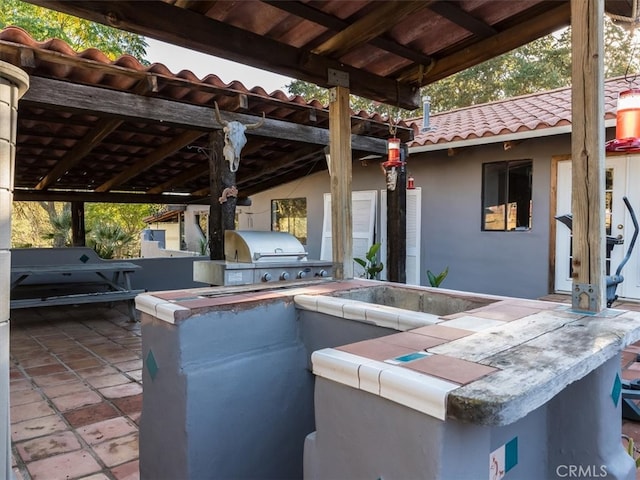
(42, 24)
(29, 225)
(543, 64)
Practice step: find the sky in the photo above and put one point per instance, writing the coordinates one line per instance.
(177, 58)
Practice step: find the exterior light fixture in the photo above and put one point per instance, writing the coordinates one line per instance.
(627, 123)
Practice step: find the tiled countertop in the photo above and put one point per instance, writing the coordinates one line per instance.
(489, 365)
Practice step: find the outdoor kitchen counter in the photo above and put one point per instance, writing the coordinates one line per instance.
(489, 365)
(394, 365)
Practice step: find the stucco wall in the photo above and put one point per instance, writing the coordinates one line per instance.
(500, 263)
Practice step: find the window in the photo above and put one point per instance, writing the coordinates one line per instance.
(506, 195)
(290, 215)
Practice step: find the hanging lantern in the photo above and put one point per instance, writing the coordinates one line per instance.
(393, 159)
(627, 123)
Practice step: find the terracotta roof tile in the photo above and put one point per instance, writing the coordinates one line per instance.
(520, 114)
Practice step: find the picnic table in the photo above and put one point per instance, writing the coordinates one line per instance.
(68, 276)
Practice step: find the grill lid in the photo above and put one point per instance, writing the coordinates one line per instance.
(255, 246)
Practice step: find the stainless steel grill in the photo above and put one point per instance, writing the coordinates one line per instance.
(260, 257)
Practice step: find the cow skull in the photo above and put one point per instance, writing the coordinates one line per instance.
(234, 138)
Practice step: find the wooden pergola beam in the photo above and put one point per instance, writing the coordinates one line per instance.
(128, 106)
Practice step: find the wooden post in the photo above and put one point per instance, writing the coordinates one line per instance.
(78, 230)
(216, 169)
(587, 153)
(341, 208)
(397, 225)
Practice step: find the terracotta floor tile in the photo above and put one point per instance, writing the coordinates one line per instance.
(37, 427)
(135, 375)
(90, 414)
(96, 371)
(107, 380)
(45, 370)
(129, 365)
(29, 411)
(15, 374)
(96, 476)
(48, 446)
(55, 379)
(450, 368)
(129, 405)
(135, 417)
(65, 389)
(84, 363)
(20, 397)
(118, 450)
(76, 400)
(120, 391)
(37, 360)
(127, 471)
(63, 467)
(106, 430)
(21, 384)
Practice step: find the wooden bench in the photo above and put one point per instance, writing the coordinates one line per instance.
(67, 276)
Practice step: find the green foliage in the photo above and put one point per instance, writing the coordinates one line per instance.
(436, 280)
(372, 267)
(543, 64)
(60, 235)
(109, 240)
(631, 450)
(42, 24)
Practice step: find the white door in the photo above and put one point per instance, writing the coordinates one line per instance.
(621, 172)
(363, 210)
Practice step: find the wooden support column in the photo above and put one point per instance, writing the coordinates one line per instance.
(216, 169)
(397, 224)
(78, 230)
(587, 152)
(341, 208)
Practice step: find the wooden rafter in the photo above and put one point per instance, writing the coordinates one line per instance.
(380, 20)
(93, 138)
(502, 42)
(189, 174)
(154, 157)
(455, 14)
(303, 10)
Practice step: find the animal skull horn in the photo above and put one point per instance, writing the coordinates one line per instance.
(234, 138)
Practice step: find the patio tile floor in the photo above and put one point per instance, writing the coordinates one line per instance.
(76, 392)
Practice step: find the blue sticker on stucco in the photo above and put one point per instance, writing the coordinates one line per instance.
(152, 366)
(616, 390)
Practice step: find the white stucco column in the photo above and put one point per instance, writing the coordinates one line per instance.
(13, 84)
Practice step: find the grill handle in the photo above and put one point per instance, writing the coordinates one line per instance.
(298, 255)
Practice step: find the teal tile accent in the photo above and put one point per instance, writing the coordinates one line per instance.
(410, 357)
(152, 366)
(84, 258)
(511, 454)
(616, 390)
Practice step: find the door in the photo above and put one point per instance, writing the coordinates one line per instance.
(621, 171)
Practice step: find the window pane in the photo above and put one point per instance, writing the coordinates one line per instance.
(290, 215)
(506, 195)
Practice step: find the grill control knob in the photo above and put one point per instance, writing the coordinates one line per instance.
(323, 273)
(284, 276)
(302, 274)
(267, 277)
